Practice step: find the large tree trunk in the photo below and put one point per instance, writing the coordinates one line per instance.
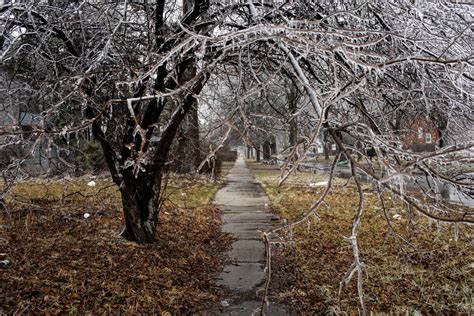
(293, 137)
(188, 153)
(140, 210)
(266, 151)
(293, 107)
(140, 189)
(325, 146)
(141, 192)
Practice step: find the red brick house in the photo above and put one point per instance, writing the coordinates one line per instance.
(421, 134)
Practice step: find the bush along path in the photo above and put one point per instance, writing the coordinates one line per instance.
(246, 215)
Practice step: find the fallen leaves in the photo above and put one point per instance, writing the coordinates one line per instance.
(65, 262)
(435, 277)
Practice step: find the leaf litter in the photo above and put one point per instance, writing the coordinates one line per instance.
(65, 255)
(434, 277)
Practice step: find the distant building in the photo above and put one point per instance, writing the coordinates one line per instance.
(421, 134)
(18, 121)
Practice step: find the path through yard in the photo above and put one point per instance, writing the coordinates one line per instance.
(246, 215)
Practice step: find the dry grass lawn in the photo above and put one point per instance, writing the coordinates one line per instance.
(435, 275)
(64, 263)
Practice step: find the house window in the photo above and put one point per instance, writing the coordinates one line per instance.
(420, 132)
(428, 138)
(333, 147)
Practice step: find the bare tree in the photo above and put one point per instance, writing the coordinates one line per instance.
(135, 71)
(129, 69)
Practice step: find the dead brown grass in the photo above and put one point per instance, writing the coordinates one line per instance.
(62, 262)
(433, 277)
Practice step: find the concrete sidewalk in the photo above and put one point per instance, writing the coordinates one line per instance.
(246, 215)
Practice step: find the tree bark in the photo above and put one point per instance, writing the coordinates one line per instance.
(140, 210)
(325, 146)
(140, 190)
(293, 107)
(188, 153)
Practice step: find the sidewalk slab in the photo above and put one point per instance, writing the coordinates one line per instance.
(246, 216)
